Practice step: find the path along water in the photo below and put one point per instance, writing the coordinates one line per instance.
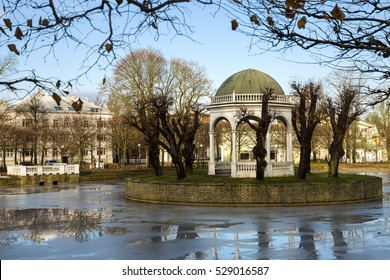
(95, 221)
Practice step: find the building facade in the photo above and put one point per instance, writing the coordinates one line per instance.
(42, 127)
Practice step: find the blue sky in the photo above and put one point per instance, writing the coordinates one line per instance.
(214, 45)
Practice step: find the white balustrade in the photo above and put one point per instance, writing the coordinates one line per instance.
(249, 98)
(22, 170)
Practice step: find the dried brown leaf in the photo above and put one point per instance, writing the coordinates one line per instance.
(108, 47)
(270, 21)
(154, 25)
(13, 48)
(234, 24)
(255, 20)
(78, 105)
(18, 33)
(3, 31)
(337, 13)
(295, 4)
(58, 84)
(289, 13)
(8, 23)
(45, 22)
(57, 98)
(302, 22)
(104, 80)
(30, 23)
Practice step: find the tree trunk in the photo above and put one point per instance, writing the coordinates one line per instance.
(336, 153)
(154, 158)
(304, 160)
(180, 170)
(260, 154)
(4, 167)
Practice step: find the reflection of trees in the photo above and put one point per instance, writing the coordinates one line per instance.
(307, 242)
(82, 225)
(340, 246)
(41, 223)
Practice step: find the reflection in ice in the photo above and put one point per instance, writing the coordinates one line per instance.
(94, 221)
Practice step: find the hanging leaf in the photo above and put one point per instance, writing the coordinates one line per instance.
(337, 13)
(255, 20)
(336, 29)
(104, 80)
(108, 47)
(295, 4)
(13, 48)
(18, 33)
(69, 85)
(58, 84)
(359, 29)
(78, 105)
(8, 23)
(270, 21)
(234, 24)
(3, 31)
(154, 25)
(30, 23)
(45, 22)
(66, 91)
(57, 98)
(119, 2)
(289, 13)
(302, 23)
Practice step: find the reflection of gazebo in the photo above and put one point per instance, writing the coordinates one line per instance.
(245, 88)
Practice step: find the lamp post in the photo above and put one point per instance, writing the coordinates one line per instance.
(201, 153)
(62, 153)
(139, 153)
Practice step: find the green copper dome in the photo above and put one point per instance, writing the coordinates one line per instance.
(248, 81)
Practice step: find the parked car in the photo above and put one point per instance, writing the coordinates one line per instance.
(53, 162)
(27, 163)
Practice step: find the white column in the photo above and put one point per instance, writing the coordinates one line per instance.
(212, 157)
(289, 145)
(234, 154)
(268, 147)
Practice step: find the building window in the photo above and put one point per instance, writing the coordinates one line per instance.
(101, 138)
(27, 122)
(58, 108)
(85, 152)
(101, 151)
(244, 156)
(94, 110)
(9, 153)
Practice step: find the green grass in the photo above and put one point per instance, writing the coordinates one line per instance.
(200, 176)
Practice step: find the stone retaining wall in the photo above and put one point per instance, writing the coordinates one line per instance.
(52, 179)
(254, 195)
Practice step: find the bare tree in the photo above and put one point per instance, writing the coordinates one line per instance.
(135, 80)
(261, 128)
(341, 34)
(305, 117)
(381, 119)
(34, 114)
(342, 111)
(80, 133)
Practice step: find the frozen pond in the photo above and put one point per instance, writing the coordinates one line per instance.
(95, 221)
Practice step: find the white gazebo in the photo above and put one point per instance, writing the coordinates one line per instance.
(245, 88)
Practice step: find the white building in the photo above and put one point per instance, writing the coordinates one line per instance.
(67, 129)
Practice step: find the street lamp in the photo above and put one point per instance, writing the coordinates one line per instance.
(139, 153)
